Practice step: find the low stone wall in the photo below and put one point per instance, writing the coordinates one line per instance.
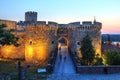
(51, 63)
(98, 69)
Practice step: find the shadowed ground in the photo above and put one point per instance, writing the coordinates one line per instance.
(64, 65)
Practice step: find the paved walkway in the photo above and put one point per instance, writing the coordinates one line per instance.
(84, 76)
(64, 65)
(64, 70)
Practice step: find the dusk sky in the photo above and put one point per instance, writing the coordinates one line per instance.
(66, 11)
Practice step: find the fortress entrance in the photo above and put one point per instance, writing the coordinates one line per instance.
(62, 46)
(62, 41)
(63, 62)
(62, 36)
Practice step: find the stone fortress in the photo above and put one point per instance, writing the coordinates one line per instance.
(40, 38)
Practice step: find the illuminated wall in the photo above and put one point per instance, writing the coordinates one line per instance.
(41, 41)
(10, 51)
(36, 52)
(78, 33)
(9, 24)
(36, 43)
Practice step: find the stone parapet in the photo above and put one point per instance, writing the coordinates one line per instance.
(97, 69)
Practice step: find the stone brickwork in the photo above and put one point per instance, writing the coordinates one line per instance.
(79, 32)
(31, 16)
(40, 38)
(10, 24)
(98, 69)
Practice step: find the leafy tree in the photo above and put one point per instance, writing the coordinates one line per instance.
(6, 37)
(117, 44)
(87, 50)
(111, 57)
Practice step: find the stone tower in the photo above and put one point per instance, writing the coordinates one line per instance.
(31, 16)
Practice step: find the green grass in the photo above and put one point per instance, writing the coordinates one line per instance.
(9, 67)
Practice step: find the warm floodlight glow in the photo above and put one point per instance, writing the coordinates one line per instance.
(98, 51)
(7, 50)
(30, 51)
(10, 51)
(36, 52)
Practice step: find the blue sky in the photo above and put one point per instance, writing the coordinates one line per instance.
(65, 11)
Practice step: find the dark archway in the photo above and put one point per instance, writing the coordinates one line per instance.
(63, 41)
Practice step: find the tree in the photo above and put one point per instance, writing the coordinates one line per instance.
(117, 44)
(111, 57)
(87, 50)
(6, 37)
(108, 39)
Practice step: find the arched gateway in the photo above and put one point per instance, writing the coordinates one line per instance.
(62, 34)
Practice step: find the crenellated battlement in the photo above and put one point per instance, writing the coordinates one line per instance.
(31, 20)
(86, 25)
(30, 12)
(41, 22)
(51, 23)
(31, 16)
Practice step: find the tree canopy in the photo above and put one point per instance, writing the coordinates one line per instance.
(6, 37)
(87, 50)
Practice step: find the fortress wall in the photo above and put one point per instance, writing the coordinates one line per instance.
(96, 40)
(41, 41)
(41, 22)
(38, 39)
(52, 24)
(9, 24)
(87, 23)
(78, 34)
(76, 24)
(10, 51)
(13, 52)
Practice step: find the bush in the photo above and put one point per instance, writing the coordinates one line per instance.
(97, 61)
(111, 57)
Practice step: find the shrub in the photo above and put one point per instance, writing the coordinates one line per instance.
(111, 57)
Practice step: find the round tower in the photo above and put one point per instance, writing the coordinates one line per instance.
(31, 16)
